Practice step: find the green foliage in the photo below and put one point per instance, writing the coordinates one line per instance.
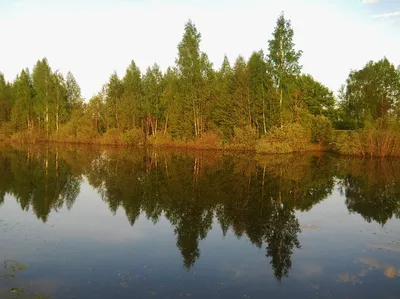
(371, 93)
(6, 131)
(283, 59)
(133, 137)
(194, 71)
(209, 140)
(261, 93)
(112, 137)
(321, 129)
(240, 96)
(266, 146)
(86, 132)
(289, 138)
(113, 101)
(22, 114)
(67, 133)
(193, 104)
(223, 105)
(243, 139)
(131, 106)
(5, 99)
(313, 96)
(74, 96)
(161, 140)
(28, 137)
(370, 141)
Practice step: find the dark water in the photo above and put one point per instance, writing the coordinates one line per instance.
(81, 222)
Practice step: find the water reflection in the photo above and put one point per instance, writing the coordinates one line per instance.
(255, 197)
(371, 187)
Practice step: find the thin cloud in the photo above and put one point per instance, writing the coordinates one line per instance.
(387, 15)
(370, 1)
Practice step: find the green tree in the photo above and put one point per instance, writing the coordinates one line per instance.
(261, 93)
(97, 113)
(309, 96)
(153, 105)
(284, 59)
(170, 100)
(59, 100)
(241, 94)
(372, 92)
(192, 68)
(5, 100)
(42, 84)
(131, 108)
(224, 108)
(23, 113)
(74, 95)
(113, 101)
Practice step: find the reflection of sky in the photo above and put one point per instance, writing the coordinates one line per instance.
(87, 251)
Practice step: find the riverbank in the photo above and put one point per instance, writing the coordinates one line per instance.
(371, 142)
(208, 143)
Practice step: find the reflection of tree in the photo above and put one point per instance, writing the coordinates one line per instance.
(40, 181)
(282, 239)
(256, 198)
(372, 188)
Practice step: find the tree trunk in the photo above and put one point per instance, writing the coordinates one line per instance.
(194, 120)
(249, 109)
(116, 116)
(280, 82)
(47, 121)
(166, 125)
(280, 108)
(57, 119)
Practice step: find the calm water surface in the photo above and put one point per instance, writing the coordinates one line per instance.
(86, 222)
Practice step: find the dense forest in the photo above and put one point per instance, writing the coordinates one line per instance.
(256, 197)
(265, 104)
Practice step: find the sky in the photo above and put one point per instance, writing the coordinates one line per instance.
(93, 38)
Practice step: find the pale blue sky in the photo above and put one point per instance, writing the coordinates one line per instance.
(94, 38)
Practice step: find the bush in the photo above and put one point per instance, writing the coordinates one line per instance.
(66, 133)
(112, 137)
(349, 143)
(86, 135)
(243, 139)
(208, 140)
(160, 139)
(28, 137)
(321, 130)
(6, 131)
(369, 141)
(290, 138)
(133, 137)
(265, 146)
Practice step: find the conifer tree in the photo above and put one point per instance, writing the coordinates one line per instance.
(23, 114)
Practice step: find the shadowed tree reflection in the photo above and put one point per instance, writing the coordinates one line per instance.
(371, 187)
(252, 196)
(282, 240)
(39, 180)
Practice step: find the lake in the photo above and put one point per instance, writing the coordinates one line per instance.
(92, 222)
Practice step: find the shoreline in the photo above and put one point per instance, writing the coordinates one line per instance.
(177, 145)
(197, 146)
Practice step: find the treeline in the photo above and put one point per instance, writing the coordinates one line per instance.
(265, 103)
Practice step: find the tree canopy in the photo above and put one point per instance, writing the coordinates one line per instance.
(242, 100)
